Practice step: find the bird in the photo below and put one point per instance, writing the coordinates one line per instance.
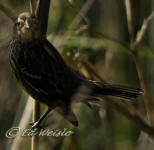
(44, 74)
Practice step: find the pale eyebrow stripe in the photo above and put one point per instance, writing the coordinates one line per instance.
(20, 20)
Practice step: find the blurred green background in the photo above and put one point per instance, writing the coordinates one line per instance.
(99, 128)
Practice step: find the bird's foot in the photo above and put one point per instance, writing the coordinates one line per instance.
(35, 125)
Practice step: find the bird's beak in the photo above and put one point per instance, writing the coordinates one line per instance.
(26, 25)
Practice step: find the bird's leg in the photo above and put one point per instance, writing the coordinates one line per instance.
(38, 122)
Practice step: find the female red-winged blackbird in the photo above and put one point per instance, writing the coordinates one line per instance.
(43, 73)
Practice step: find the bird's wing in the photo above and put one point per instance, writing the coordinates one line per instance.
(43, 69)
(53, 53)
(41, 84)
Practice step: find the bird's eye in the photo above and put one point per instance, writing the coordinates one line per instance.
(17, 23)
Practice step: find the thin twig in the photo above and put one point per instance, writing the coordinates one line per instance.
(75, 23)
(129, 19)
(36, 104)
(141, 32)
(35, 117)
(82, 15)
(112, 39)
(90, 67)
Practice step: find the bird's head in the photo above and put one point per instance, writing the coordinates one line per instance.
(26, 27)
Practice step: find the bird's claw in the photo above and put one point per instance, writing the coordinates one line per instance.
(35, 125)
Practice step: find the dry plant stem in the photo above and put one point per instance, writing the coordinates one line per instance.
(8, 13)
(83, 16)
(141, 32)
(129, 19)
(142, 84)
(133, 44)
(36, 104)
(42, 10)
(139, 38)
(32, 7)
(36, 112)
(85, 71)
(37, 7)
(90, 68)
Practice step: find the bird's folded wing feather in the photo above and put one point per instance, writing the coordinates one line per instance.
(44, 73)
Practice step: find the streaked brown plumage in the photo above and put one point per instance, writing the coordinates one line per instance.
(43, 73)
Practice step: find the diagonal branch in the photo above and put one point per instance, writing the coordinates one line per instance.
(8, 13)
(141, 32)
(75, 23)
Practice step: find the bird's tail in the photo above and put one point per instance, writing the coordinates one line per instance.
(121, 91)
